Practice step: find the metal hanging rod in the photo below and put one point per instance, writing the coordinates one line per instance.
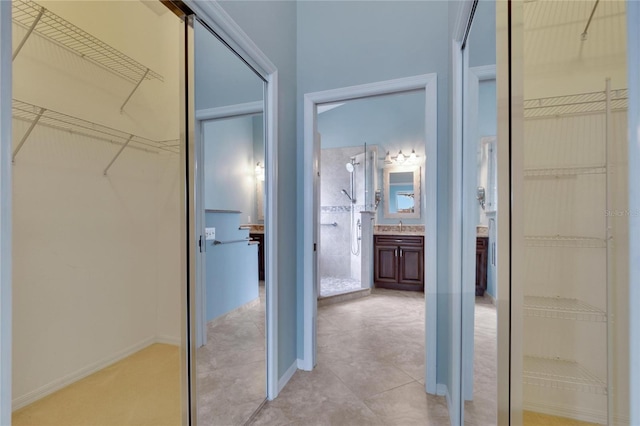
(218, 242)
(38, 19)
(575, 104)
(585, 33)
(37, 115)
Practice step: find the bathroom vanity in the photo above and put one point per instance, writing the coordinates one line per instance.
(398, 262)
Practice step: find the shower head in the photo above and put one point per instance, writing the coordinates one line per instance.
(344, 191)
(349, 168)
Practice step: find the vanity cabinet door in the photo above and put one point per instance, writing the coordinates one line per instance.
(386, 264)
(411, 266)
(482, 245)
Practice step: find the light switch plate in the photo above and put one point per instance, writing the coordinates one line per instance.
(210, 233)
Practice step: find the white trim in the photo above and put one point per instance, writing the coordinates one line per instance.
(633, 77)
(5, 212)
(427, 82)
(221, 22)
(455, 237)
(571, 412)
(288, 375)
(484, 72)
(442, 390)
(168, 340)
(248, 108)
(70, 378)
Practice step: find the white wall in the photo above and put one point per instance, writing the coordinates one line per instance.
(96, 261)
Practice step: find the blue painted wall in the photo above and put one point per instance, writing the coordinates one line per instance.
(232, 269)
(229, 173)
(272, 26)
(482, 41)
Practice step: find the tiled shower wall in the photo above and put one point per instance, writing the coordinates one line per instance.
(336, 259)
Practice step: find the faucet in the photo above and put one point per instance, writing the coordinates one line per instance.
(400, 225)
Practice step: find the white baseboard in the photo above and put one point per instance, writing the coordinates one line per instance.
(168, 340)
(561, 410)
(288, 375)
(70, 378)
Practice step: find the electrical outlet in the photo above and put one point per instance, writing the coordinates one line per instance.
(210, 233)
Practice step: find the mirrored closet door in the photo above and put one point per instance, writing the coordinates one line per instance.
(230, 353)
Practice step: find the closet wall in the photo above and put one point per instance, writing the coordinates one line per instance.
(96, 267)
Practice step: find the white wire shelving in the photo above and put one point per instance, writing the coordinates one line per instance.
(595, 102)
(564, 171)
(562, 308)
(564, 241)
(47, 24)
(561, 374)
(37, 115)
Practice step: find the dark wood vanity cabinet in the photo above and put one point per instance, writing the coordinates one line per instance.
(260, 239)
(398, 262)
(482, 250)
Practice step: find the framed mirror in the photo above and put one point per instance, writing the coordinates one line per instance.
(402, 192)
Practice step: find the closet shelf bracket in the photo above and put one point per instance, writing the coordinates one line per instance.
(27, 133)
(134, 89)
(29, 31)
(118, 154)
(585, 33)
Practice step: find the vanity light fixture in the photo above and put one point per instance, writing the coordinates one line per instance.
(259, 171)
(401, 158)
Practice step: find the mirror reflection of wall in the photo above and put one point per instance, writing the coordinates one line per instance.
(230, 306)
(96, 215)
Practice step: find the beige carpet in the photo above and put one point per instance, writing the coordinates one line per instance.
(142, 389)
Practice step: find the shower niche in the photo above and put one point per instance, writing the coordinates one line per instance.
(348, 183)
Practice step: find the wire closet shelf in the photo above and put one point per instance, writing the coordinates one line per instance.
(47, 24)
(32, 113)
(584, 103)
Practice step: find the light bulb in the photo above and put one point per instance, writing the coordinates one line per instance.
(413, 156)
(400, 157)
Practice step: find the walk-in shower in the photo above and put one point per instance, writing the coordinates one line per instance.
(346, 190)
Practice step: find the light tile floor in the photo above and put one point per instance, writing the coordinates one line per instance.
(231, 367)
(370, 368)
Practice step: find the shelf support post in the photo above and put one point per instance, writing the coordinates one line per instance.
(27, 133)
(134, 89)
(118, 154)
(31, 28)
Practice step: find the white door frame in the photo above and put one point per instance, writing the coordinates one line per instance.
(428, 83)
(221, 22)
